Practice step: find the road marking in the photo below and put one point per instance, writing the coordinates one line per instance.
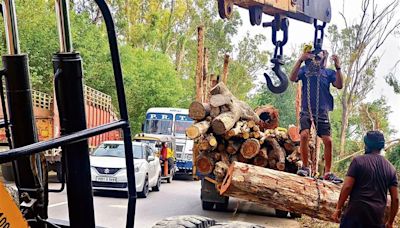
(57, 204)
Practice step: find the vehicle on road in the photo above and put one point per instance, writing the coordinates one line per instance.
(172, 122)
(109, 173)
(155, 143)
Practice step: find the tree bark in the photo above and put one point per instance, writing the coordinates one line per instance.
(206, 78)
(280, 190)
(220, 171)
(262, 158)
(215, 111)
(218, 100)
(233, 147)
(278, 153)
(198, 110)
(225, 69)
(200, 63)
(197, 129)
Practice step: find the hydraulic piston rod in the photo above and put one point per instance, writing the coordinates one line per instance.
(64, 31)
(10, 21)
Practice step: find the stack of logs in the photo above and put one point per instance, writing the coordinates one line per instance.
(228, 130)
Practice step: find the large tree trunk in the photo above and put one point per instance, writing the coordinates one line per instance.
(281, 190)
(343, 129)
(225, 69)
(200, 64)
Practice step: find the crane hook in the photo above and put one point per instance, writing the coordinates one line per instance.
(283, 79)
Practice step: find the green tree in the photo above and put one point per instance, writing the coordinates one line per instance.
(358, 44)
(151, 81)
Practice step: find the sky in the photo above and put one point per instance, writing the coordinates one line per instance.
(300, 33)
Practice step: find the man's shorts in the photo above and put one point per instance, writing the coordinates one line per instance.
(324, 126)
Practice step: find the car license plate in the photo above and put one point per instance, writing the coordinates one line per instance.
(106, 179)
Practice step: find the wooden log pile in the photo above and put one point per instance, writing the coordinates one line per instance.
(228, 130)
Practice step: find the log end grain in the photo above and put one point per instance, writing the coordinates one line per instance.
(192, 132)
(218, 127)
(205, 165)
(250, 148)
(198, 110)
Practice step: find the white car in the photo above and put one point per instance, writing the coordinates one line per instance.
(108, 168)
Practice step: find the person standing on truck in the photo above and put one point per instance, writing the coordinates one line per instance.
(367, 182)
(316, 102)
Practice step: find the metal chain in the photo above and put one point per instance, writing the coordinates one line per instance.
(308, 76)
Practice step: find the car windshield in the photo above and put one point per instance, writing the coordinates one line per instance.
(158, 123)
(117, 150)
(182, 123)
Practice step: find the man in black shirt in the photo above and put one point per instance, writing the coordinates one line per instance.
(368, 180)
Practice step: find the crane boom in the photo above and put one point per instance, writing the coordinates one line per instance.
(302, 10)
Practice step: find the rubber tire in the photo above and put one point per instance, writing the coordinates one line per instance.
(207, 206)
(187, 221)
(146, 189)
(221, 206)
(8, 172)
(281, 214)
(255, 13)
(158, 186)
(295, 215)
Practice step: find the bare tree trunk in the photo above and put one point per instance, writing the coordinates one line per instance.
(200, 63)
(343, 129)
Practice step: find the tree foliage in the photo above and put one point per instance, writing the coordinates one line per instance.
(358, 44)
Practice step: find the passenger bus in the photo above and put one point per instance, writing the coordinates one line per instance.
(172, 122)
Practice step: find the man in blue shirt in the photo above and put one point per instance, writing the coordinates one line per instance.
(316, 79)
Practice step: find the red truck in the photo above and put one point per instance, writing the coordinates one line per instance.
(99, 110)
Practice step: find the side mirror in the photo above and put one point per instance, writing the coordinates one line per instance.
(151, 158)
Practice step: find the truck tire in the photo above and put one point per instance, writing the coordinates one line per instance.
(185, 221)
(294, 215)
(207, 206)
(236, 224)
(222, 206)
(281, 214)
(8, 172)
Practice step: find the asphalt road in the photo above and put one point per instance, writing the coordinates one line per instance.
(181, 197)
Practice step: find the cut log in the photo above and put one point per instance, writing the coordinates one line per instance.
(240, 158)
(260, 161)
(197, 129)
(225, 108)
(220, 171)
(280, 190)
(236, 130)
(289, 146)
(205, 164)
(233, 147)
(262, 158)
(277, 152)
(215, 111)
(218, 100)
(293, 133)
(251, 124)
(256, 128)
(256, 134)
(269, 117)
(224, 122)
(225, 158)
(250, 148)
(238, 109)
(215, 156)
(221, 147)
(198, 110)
